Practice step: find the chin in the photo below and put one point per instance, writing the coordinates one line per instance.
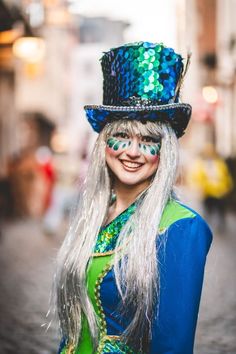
(132, 180)
(130, 183)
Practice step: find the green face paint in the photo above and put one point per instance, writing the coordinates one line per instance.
(147, 148)
(118, 144)
(150, 149)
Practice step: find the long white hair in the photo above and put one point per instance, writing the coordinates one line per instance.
(136, 270)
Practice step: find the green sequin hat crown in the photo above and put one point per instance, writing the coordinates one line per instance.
(142, 81)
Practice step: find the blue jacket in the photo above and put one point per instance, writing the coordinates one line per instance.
(182, 249)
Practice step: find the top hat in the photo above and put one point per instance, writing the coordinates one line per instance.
(142, 81)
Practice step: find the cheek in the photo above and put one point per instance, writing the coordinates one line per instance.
(153, 158)
(153, 161)
(151, 154)
(111, 152)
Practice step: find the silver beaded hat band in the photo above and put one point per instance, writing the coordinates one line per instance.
(142, 81)
(140, 108)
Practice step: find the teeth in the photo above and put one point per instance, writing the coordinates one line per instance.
(131, 164)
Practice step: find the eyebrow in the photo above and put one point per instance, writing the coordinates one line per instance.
(121, 132)
(152, 136)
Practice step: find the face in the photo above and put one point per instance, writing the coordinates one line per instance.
(132, 159)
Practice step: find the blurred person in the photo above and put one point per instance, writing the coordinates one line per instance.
(30, 171)
(130, 270)
(6, 202)
(231, 198)
(62, 196)
(45, 160)
(212, 178)
(64, 192)
(37, 130)
(28, 185)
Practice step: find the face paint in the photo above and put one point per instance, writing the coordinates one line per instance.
(117, 144)
(150, 149)
(133, 159)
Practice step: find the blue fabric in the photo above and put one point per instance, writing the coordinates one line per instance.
(61, 346)
(177, 116)
(182, 259)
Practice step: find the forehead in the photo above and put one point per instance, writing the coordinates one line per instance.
(134, 128)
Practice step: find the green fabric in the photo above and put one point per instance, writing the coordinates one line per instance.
(173, 212)
(96, 267)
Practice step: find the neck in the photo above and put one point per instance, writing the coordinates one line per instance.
(126, 195)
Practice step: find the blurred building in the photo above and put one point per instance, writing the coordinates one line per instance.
(101, 30)
(96, 35)
(208, 29)
(60, 78)
(8, 139)
(49, 69)
(66, 75)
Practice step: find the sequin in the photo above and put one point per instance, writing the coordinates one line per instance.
(108, 235)
(147, 71)
(151, 52)
(143, 56)
(114, 346)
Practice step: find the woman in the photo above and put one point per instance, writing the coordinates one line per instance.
(130, 271)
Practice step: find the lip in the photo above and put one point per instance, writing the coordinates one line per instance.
(131, 166)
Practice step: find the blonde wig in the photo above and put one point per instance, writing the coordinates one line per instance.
(136, 266)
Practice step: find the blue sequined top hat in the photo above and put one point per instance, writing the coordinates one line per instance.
(142, 81)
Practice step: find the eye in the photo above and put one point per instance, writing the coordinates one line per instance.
(150, 139)
(121, 135)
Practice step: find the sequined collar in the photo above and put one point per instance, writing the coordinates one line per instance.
(108, 235)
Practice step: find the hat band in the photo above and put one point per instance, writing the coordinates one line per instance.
(140, 108)
(138, 102)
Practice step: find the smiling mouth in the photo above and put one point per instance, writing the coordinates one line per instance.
(131, 165)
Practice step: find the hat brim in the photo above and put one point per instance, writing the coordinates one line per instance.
(176, 114)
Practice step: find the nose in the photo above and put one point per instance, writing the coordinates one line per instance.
(133, 150)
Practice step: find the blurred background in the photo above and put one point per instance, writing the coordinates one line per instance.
(49, 69)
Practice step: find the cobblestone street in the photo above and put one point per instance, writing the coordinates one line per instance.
(216, 332)
(26, 261)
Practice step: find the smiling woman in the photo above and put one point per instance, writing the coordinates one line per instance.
(130, 271)
(131, 156)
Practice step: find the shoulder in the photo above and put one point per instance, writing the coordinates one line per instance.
(175, 211)
(184, 225)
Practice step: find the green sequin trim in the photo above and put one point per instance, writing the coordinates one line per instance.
(111, 345)
(108, 235)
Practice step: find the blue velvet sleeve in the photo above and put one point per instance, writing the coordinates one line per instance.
(182, 255)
